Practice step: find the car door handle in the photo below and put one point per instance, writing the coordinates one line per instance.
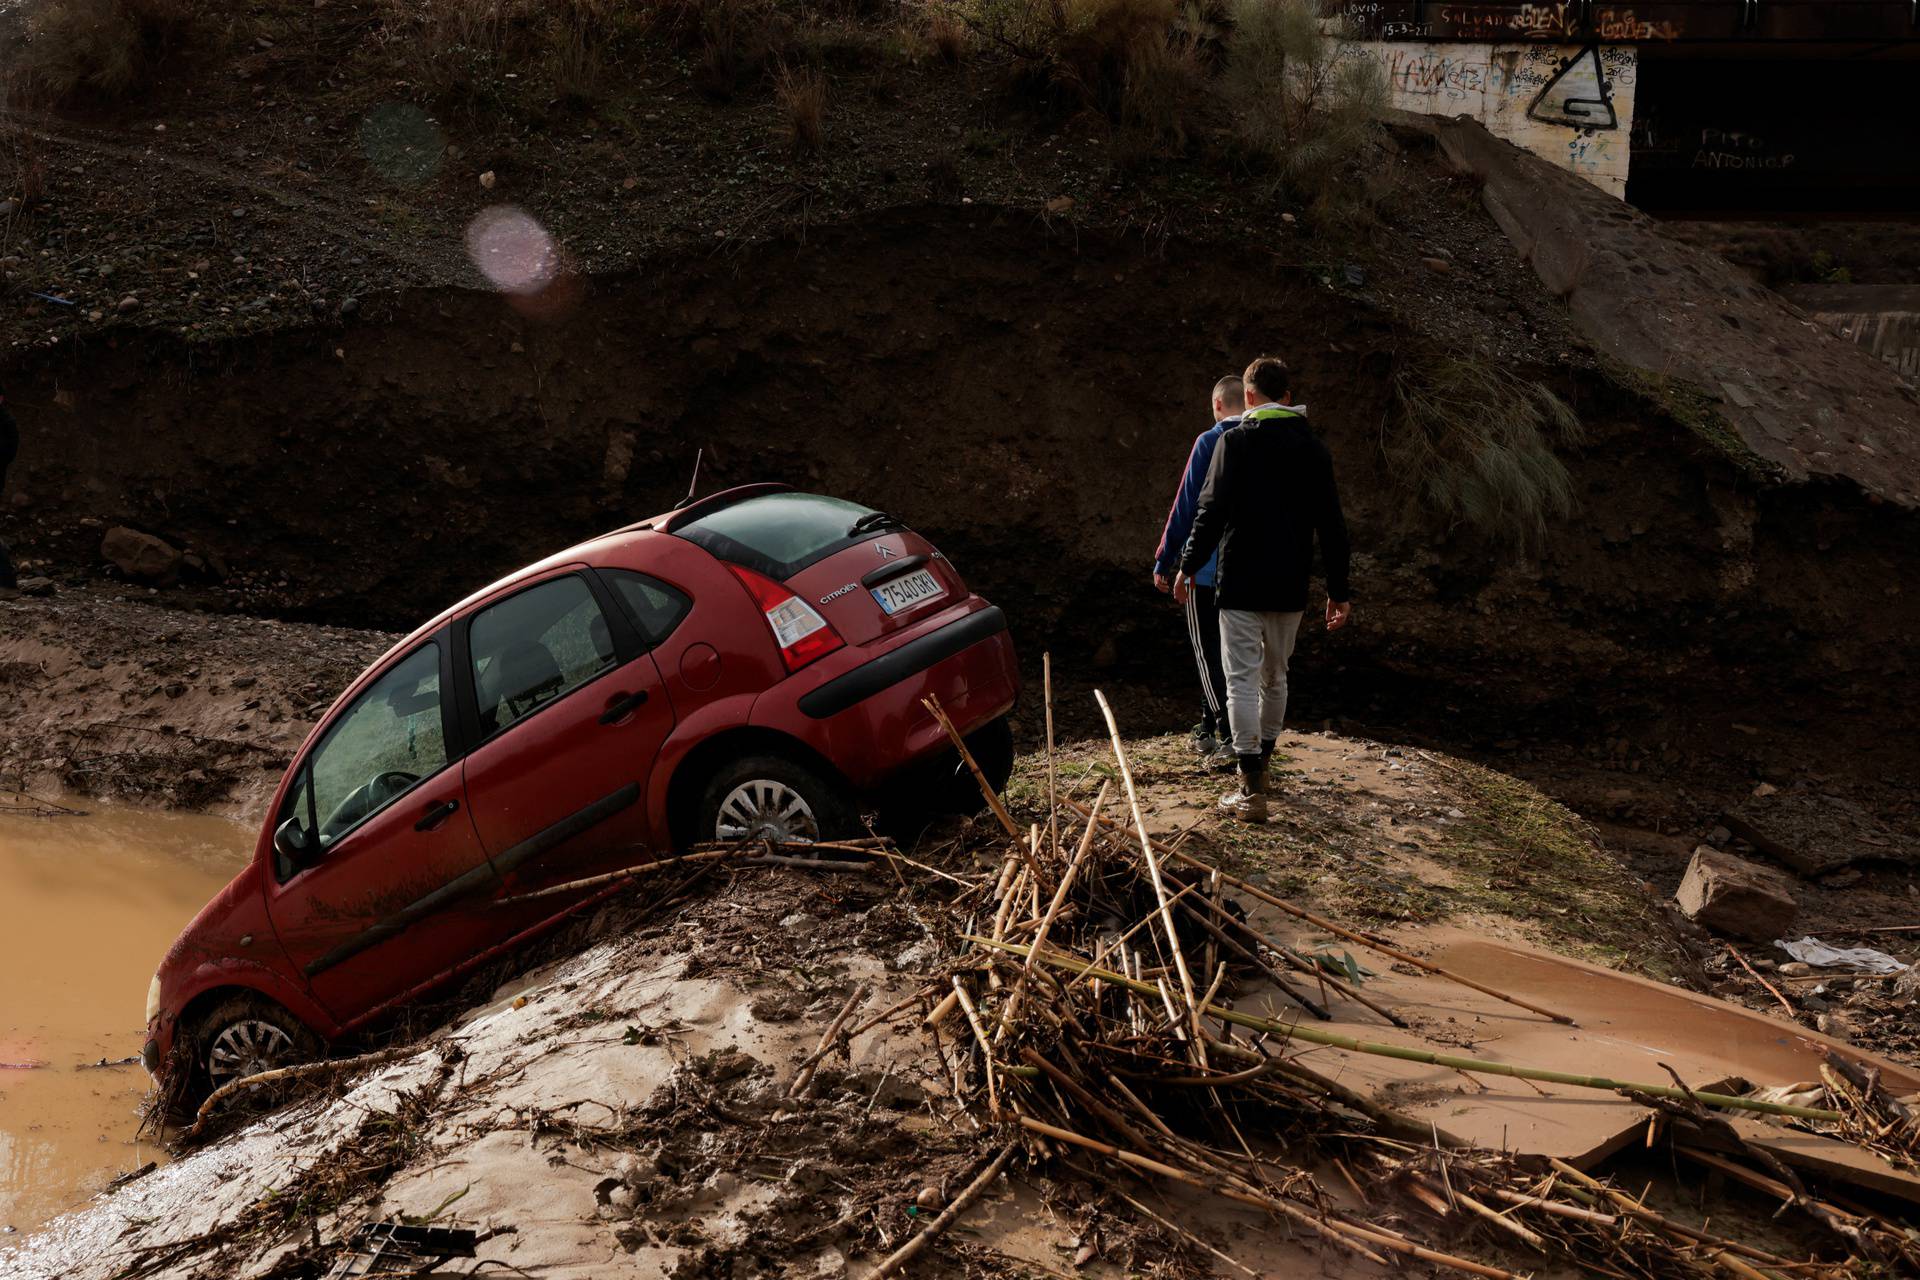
(622, 705)
(437, 815)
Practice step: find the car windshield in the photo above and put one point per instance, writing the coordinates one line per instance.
(779, 534)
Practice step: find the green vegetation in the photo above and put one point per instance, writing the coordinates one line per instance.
(1477, 443)
(1521, 855)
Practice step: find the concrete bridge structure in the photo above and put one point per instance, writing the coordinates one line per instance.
(1721, 108)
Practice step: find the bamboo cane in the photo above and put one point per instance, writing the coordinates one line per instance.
(932, 704)
(1334, 1040)
(1046, 922)
(1361, 939)
(1053, 802)
(1153, 863)
(961, 1203)
(803, 1078)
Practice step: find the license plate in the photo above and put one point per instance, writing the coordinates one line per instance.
(907, 591)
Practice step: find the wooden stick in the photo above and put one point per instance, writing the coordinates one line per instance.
(1053, 800)
(1286, 988)
(1347, 1234)
(1153, 863)
(1046, 922)
(1634, 1209)
(986, 1046)
(1771, 989)
(297, 1072)
(961, 1203)
(803, 1081)
(1188, 1235)
(1321, 922)
(1305, 964)
(938, 1014)
(1884, 928)
(1314, 1035)
(932, 704)
(881, 1017)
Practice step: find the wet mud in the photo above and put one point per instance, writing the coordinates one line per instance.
(89, 901)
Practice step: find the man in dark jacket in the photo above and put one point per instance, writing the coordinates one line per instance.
(1269, 493)
(9, 449)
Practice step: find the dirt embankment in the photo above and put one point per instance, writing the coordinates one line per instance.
(185, 710)
(1026, 397)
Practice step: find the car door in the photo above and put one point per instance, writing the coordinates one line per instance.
(377, 863)
(567, 713)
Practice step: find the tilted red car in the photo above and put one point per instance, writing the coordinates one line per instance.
(752, 664)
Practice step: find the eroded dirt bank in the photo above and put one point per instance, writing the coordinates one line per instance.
(1025, 395)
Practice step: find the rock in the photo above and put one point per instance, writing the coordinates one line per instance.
(349, 307)
(141, 556)
(1439, 266)
(488, 180)
(1733, 896)
(1060, 204)
(1718, 837)
(36, 586)
(1764, 790)
(1834, 1025)
(1816, 834)
(1795, 969)
(128, 305)
(929, 1198)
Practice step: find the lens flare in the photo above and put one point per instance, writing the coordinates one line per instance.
(513, 251)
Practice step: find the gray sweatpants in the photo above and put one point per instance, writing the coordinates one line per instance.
(1254, 648)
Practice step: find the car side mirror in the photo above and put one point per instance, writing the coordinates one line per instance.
(294, 846)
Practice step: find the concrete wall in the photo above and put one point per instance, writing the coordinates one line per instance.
(1885, 319)
(1570, 104)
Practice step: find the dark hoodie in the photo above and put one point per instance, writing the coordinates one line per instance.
(1269, 493)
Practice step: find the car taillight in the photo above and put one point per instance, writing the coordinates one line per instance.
(802, 634)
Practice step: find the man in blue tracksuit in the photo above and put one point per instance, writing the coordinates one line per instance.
(1211, 735)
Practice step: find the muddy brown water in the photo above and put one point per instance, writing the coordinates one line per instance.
(88, 905)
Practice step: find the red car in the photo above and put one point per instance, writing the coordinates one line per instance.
(749, 665)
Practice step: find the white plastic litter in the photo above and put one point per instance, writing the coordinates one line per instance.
(1818, 954)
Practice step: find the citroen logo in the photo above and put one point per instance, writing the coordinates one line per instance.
(886, 552)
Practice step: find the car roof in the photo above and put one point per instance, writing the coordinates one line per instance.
(593, 551)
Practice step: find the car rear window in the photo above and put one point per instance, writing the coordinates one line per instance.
(779, 534)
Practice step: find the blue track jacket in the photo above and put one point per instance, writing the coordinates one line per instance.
(1186, 501)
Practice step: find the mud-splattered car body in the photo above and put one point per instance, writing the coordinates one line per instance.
(751, 664)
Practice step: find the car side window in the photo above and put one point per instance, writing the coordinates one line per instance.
(536, 647)
(379, 749)
(655, 607)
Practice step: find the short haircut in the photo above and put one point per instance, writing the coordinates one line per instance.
(1269, 376)
(1231, 392)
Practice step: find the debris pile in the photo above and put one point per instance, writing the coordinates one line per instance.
(1092, 1023)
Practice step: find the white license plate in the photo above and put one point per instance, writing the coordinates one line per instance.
(905, 592)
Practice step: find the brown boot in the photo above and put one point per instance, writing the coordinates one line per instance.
(1249, 803)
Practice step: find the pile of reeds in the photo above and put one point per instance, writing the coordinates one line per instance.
(1091, 1020)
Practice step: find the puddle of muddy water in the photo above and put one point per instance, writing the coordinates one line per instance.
(87, 907)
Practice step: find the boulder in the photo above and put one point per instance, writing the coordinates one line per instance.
(1733, 896)
(141, 556)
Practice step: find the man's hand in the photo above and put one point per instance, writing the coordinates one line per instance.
(1182, 587)
(1338, 614)
(1162, 583)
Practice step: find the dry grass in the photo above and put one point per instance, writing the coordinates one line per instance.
(1303, 108)
(949, 36)
(99, 49)
(1476, 443)
(802, 94)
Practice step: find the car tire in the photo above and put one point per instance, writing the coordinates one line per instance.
(764, 796)
(243, 1035)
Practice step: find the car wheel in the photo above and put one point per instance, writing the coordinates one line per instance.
(246, 1035)
(773, 798)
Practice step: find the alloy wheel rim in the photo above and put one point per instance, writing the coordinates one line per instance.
(763, 809)
(247, 1048)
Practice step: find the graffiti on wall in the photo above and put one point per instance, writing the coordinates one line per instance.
(1566, 21)
(1567, 103)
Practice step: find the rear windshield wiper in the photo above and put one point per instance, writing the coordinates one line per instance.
(873, 520)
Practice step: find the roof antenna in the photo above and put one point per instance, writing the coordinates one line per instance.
(694, 487)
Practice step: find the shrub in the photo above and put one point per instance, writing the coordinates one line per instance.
(803, 95)
(106, 49)
(1476, 443)
(949, 35)
(1303, 104)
